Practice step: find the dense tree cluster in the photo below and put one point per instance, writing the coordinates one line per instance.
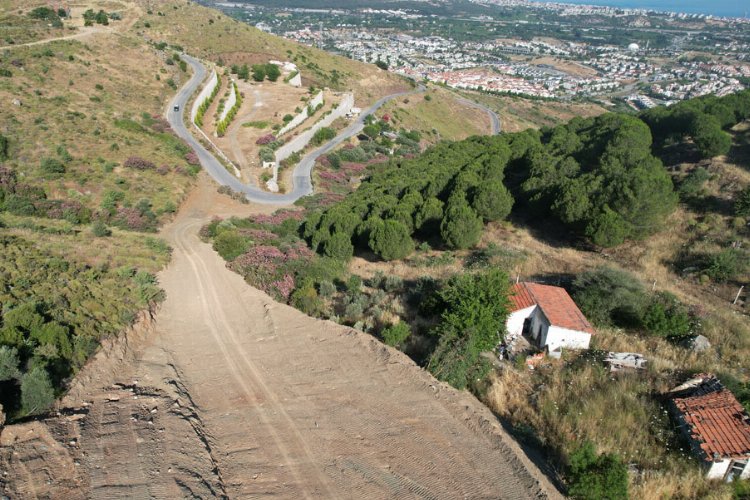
(436, 193)
(599, 178)
(704, 120)
(54, 312)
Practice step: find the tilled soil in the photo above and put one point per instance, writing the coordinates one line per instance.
(228, 393)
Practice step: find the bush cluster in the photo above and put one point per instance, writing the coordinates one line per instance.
(44, 341)
(611, 297)
(207, 103)
(222, 126)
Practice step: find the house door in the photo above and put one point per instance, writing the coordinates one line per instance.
(526, 326)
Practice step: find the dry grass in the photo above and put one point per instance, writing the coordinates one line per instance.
(518, 113)
(440, 117)
(209, 34)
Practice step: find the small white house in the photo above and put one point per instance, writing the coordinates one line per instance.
(549, 317)
(716, 426)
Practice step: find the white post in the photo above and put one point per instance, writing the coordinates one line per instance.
(738, 294)
(654, 286)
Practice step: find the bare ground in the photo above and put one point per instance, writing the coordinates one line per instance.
(226, 393)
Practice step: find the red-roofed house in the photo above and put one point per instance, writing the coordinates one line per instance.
(548, 315)
(715, 424)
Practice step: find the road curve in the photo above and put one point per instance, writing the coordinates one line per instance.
(302, 175)
(496, 127)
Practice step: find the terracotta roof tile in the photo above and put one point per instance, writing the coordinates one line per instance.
(715, 420)
(554, 302)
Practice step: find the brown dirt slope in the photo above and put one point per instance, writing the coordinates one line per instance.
(235, 395)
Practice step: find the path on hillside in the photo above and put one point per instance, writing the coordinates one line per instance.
(302, 174)
(85, 31)
(234, 395)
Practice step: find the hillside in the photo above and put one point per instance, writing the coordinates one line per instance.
(642, 218)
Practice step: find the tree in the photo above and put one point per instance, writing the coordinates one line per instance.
(492, 201)
(259, 72)
(461, 226)
(592, 477)
(243, 72)
(339, 246)
(382, 65)
(709, 137)
(272, 72)
(37, 393)
(396, 334)
(473, 320)
(9, 363)
(391, 240)
(607, 229)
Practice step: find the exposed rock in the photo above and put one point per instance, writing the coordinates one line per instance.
(699, 343)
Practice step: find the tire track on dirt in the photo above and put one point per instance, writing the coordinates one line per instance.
(236, 360)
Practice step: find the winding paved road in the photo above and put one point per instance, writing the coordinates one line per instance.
(494, 119)
(301, 178)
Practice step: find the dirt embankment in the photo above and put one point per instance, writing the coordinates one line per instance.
(230, 394)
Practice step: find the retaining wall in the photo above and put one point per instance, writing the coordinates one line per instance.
(302, 140)
(302, 116)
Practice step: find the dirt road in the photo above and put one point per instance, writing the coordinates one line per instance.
(230, 394)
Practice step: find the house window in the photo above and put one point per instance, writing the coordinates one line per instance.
(736, 467)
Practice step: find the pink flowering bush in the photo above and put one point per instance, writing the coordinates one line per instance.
(192, 158)
(271, 269)
(139, 163)
(277, 218)
(265, 139)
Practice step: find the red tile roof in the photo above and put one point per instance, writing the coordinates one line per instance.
(715, 420)
(554, 302)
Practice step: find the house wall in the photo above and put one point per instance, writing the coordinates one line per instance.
(538, 327)
(563, 337)
(514, 323)
(718, 470)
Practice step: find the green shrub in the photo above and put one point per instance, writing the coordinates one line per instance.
(4, 153)
(396, 334)
(492, 201)
(473, 320)
(609, 296)
(230, 244)
(52, 166)
(339, 246)
(592, 477)
(305, 298)
(666, 316)
(322, 135)
(100, 229)
(741, 201)
(725, 265)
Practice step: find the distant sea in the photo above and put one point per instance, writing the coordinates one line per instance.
(723, 8)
